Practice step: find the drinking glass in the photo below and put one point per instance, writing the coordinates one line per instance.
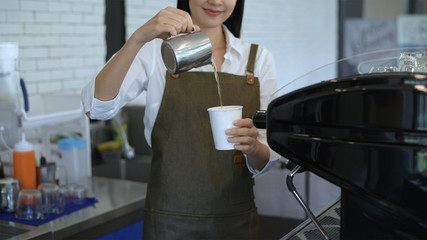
(9, 189)
(422, 63)
(79, 195)
(29, 205)
(408, 61)
(75, 193)
(52, 200)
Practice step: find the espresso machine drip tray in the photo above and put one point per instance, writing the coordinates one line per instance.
(366, 133)
(329, 218)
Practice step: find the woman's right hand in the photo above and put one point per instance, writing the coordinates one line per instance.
(168, 22)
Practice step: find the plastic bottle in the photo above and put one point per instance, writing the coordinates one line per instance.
(73, 155)
(24, 164)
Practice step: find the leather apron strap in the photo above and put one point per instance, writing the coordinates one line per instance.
(193, 188)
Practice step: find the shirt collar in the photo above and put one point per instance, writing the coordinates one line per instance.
(233, 45)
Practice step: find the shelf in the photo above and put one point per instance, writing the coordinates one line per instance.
(52, 109)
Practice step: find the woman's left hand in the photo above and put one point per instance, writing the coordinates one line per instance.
(245, 136)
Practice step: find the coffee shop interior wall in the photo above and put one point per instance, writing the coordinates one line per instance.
(62, 42)
(62, 46)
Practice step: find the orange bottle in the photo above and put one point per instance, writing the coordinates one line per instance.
(24, 164)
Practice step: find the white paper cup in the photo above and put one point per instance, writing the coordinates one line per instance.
(221, 119)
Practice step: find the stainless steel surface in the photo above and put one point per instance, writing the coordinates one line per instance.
(136, 169)
(9, 188)
(329, 217)
(7, 232)
(186, 51)
(304, 205)
(116, 198)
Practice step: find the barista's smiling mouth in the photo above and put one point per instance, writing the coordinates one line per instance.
(212, 12)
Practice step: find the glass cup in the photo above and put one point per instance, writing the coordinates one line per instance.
(9, 189)
(408, 68)
(29, 205)
(52, 200)
(79, 195)
(221, 119)
(75, 193)
(422, 63)
(70, 188)
(63, 193)
(408, 61)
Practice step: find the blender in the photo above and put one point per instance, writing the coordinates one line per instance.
(9, 97)
(10, 103)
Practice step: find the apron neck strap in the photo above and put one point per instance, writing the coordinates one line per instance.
(250, 78)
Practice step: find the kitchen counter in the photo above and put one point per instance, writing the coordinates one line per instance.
(120, 203)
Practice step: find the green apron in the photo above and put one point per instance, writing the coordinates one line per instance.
(195, 191)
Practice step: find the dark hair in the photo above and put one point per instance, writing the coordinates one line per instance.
(233, 23)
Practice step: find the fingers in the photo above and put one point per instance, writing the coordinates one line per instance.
(245, 127)
(175, 20)
(168, 22)
(245, 144)
(196, 28)
(250, 132)
(246, 122)
(245, 135)
(244, 140)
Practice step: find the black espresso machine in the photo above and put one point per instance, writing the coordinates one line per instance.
(365, 132)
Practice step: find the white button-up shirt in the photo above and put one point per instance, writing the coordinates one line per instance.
(147, 73)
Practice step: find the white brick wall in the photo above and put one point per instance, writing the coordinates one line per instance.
(140, 11)
(60, 36)
(61, 42)
(302, 35)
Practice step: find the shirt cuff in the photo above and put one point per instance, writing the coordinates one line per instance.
(274, 158)
(101, 110)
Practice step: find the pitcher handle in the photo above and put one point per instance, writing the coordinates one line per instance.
(24, 94)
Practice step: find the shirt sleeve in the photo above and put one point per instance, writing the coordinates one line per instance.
(134, 83)
(265, 69)
(100, 110)
(274, 157)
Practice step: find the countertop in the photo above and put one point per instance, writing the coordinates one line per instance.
(120, 202)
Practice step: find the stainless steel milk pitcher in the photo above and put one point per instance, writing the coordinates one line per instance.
(185, 51)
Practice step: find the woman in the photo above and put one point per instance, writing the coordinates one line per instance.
(194, 191)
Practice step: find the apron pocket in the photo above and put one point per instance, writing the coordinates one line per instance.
(242, 186)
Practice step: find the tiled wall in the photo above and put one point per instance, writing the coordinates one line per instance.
(61, 42)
